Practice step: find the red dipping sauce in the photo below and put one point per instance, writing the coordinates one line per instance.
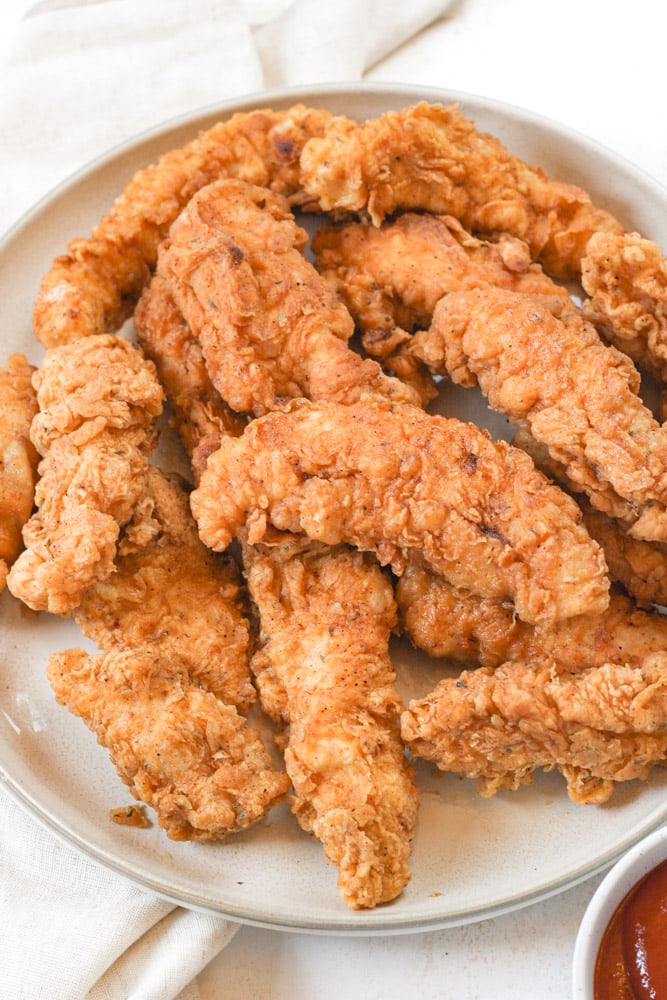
(632, 959)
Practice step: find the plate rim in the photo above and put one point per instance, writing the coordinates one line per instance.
(291, 95)
(349, 924)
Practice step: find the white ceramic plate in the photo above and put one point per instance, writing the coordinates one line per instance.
(473, 858)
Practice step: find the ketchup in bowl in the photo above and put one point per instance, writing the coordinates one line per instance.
(632, 959)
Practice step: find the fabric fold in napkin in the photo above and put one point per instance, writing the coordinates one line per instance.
(71, 928)
(83, 77)
(78, 79)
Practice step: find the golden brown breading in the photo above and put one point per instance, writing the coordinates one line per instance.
(99, 400)
(597, 727)
(180, 749)
(309, 596)
(433, 158)
(455, 624)
(626, 278)
(392, 276)
(94, 286)
(364, 816)
(200, 415)
(448, 622)
(170, 590)
(18, 457)
(269, 326)
(575, 394)
(323, 671)
(395, 480)
(84, 388)
(639, 566)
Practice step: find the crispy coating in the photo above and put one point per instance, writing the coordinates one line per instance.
(99, 400)
(238, 320)
(133, 815)
(626, 279)
(575, 394)
(94, 286)
(180, 749)
(170, 590)
(392, 276)
(104, 384)
(353, 787)
(397, 481)
(18, 457)
(269, 326)
(639, 566)
(432, 158)
(200, 415)
(323, 670)
(597, 727)
(455, 624)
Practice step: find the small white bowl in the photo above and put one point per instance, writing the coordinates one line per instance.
(618, 882)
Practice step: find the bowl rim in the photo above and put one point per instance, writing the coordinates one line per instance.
(617, 883)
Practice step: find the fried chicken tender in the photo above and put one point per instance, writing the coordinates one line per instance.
(455, 624)
(269, 326)
(597, 726)
(323, 670)
(398, 481)
(354, 789)
(638, 565)
(626, 278)
(575, 394)
(170, 590)
(18, 457)
(432, 158)
(180, 749)
(392, 276)
(200, 415)
(95, 285)
(99, 400)
(165, 696)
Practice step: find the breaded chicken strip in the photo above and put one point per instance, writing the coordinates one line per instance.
(575, 394)
(455, 624)
(323, 671)
(99, 400)
(166, 695)
(626, 278)
(399, 482)
(94, 286)
(18, 457)
(597, 727)
(269, 326)
(354, 790)
(433, 158)
(392, 276)
(340, 706)
(200, 415)
(180, 749)
(639, 566)
(170, 590)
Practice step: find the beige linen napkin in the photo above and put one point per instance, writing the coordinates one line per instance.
(78, 78)
(72, 929)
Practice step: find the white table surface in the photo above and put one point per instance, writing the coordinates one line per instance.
(597, 66)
